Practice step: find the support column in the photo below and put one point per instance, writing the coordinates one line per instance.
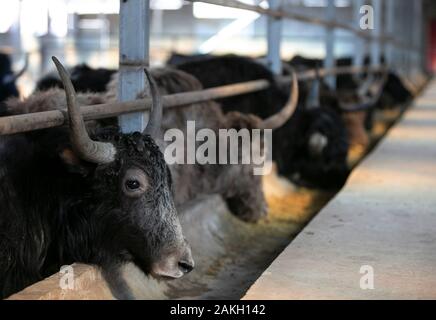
(377, 32)
(274, 38)
(134, 57)
(390, 31)
(418, 35)
(329, 61)
(359, 42)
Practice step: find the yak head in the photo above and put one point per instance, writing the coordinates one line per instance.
(131, 196)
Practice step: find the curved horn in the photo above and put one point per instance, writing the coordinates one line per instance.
(279, 119)
(92, 151)
(155, 120)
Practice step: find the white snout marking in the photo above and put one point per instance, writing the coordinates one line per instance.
(317, 143)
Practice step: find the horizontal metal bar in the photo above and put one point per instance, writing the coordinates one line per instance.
(54, 118)
(311, 20)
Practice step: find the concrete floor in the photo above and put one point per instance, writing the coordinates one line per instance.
(382, 224)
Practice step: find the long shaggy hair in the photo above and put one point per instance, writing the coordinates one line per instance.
(56, 209)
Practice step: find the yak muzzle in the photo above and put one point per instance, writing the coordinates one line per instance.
(174, 265)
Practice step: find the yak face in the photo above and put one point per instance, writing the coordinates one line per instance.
(153, 235)
(133, 206)
(131, 186)
(322, 131)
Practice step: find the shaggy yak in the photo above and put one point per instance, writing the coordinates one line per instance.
(93, 196)
(355, 101)
(241, 190)
(311, 147)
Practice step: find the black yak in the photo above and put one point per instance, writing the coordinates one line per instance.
(311, 149)
(179, 58)
(83, 77)
(100, 197)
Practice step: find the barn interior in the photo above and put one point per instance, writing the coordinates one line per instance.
(321, 232)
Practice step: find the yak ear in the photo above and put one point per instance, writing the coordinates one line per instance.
(74, 163)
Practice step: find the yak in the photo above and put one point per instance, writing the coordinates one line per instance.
(83, 77)
(355, 100)
(178, 58)
(87, 194)
(311, 149)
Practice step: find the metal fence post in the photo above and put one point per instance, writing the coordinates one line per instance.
(418, 35)
(377, 32)
(134, 56)
(274, 38)
(359, 43)
(390, 31)
(329, 61)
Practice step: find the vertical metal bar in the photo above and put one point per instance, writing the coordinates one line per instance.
(405, 17)
(274, 38)
(400, 31)
(377, 32)
(134, 56)
(409, 35)
(329, 61)
(409, 15)
(419, 35)
(359, 43)
(390, 31)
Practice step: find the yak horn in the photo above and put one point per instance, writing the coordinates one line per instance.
(88, 150)
(279, 119)
(155, 120)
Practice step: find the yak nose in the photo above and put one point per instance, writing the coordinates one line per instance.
(174, 265)
(186, 263)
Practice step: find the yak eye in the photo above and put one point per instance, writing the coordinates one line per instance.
(132, 184)
(135, 182)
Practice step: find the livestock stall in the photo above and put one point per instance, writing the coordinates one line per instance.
(362, 222)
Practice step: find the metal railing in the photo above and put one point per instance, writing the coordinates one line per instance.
(54, 118)
(283, 14)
